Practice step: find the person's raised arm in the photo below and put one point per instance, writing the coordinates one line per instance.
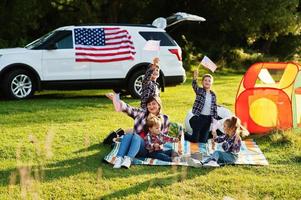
(150, 70)
(122, 106)
(195, 86)
(116, 101)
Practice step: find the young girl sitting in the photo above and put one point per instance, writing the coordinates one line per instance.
(155, 139)
(231, 144)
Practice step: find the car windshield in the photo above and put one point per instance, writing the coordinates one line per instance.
(39, 41)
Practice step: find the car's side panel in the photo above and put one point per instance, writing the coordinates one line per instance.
(59, 64)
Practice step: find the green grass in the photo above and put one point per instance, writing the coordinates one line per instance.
(50, 149)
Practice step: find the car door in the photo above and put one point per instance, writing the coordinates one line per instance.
(58, 59)
(173, 20)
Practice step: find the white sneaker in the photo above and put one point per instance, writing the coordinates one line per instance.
(118, 162)
(194, 163)
(211, 163)
(127, 161)
(176, 159)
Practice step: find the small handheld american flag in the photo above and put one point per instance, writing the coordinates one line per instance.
(206, 62)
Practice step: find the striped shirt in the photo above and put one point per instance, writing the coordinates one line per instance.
(140, 115)
(229, 145)
(200, 101)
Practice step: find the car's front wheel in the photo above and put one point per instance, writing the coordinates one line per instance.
(135, 84)
(18, 84)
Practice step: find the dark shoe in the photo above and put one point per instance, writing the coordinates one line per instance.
(109, 139)
(120, 132)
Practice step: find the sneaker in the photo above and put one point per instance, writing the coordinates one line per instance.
(197, 156)
(118, 162)
(185, 158)
(127, 161)
(211, 163)
(194, 163)
(177, 159)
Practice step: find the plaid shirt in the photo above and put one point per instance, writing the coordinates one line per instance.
(149, 87)
(200, 100)
(160, 139)
(229, 144)
(139, 115)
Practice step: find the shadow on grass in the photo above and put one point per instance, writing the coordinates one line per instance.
(83, 163)
(174, 177)
(93, 163)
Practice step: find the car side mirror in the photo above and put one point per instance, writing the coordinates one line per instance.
(51, 46)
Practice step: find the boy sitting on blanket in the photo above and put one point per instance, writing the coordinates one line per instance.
(154, 141)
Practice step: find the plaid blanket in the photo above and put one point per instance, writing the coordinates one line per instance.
(250, 154)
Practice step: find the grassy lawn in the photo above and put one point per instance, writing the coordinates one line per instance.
(50, 149)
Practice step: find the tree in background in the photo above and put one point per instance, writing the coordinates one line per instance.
(233, 30)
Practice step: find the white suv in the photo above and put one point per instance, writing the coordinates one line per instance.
(90, 57)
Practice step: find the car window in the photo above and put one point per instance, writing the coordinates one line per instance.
(62, 39)
(38, 42)
(165, 39)
(66, 42)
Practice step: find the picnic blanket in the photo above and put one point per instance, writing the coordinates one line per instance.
(250, 154)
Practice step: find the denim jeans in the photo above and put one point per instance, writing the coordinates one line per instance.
(132, 145)
(222, 157)
(162, 155)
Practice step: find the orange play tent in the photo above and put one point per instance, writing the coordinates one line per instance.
(269, 97)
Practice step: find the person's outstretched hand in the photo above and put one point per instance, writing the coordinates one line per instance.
(110, 95)
(116, 101)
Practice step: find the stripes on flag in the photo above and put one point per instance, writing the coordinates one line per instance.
(103, 45)
(206, 62)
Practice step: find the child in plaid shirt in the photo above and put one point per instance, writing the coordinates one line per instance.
(149, 85)
(155, 139)
(204, 111)
(231, 144)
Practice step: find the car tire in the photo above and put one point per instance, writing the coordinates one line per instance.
(135, 84)
(18, 84)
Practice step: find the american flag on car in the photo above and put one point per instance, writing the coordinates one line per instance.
(103, 45)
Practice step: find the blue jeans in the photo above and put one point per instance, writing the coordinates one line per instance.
(132, 145)
(162, 155)
(222, 157)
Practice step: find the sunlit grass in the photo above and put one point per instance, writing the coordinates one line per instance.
(50, 149)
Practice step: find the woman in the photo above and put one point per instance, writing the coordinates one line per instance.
(132, 144)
